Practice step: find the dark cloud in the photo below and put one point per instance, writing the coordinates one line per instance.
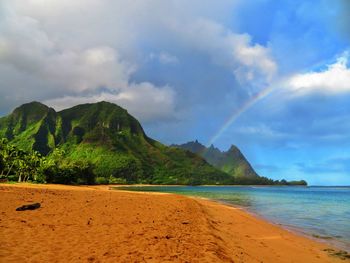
(47, 54)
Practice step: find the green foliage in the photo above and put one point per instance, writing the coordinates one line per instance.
(25, 166)
(101, 143)
(2, 161)
(117, 180)
(102, 180)
(58, 169)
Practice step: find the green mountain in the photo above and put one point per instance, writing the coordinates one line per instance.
(231, 162)
(109, 138)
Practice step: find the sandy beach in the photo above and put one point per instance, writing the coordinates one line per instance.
(94, 224)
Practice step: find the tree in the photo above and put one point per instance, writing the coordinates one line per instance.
(26, 165)
(10, 154)
(2, 164)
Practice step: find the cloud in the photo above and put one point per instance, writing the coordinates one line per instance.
(143, 100)
(51, 50)
(250, 62)
(333, 80)
(164, 58)
(62, 74)
(295, 122)
(28, 49)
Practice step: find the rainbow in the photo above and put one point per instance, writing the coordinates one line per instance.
(254, 99)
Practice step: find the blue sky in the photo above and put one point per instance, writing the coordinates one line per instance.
(183, 68)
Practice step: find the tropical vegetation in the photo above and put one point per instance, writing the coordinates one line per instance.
(99, 143)
(22, 166)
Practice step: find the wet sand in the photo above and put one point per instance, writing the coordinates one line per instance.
(94, 224)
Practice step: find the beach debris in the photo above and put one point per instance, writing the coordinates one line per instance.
(28, 207)
(185, 222)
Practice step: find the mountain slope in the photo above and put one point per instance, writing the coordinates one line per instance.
(105, 135)
(30, 126)
(232, 161)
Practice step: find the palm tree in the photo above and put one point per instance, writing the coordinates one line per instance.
(21, 165)
(3, 145)
(10, 154)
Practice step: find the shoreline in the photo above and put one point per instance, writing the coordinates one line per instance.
(328, 240)
(218, 232)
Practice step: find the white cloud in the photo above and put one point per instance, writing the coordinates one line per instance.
(29, 49)
(255, 59)
(143, 100)
(57, 49)
(250, 63)
(334, 80)
(68, 73)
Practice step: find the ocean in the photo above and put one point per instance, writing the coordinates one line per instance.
(319, 212)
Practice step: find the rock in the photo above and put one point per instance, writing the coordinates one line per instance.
(28, 207)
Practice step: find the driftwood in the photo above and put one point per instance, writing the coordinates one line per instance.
(28, 207)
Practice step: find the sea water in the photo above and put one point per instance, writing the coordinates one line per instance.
(319, 212)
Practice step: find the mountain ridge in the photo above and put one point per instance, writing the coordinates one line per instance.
(108, 137)
(105, 141)
(232, 162)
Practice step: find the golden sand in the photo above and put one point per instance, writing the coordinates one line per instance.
(93, 224)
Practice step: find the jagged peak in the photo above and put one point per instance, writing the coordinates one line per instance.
(212, 149)
(233, 148)
(195, 142)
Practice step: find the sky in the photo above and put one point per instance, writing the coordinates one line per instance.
(272, 77)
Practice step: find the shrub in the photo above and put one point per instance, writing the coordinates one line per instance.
(12, 178)
(102, 180)
(117, 180)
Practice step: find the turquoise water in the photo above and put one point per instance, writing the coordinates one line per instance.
(321, 212)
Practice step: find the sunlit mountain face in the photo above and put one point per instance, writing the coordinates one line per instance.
(271, 77)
